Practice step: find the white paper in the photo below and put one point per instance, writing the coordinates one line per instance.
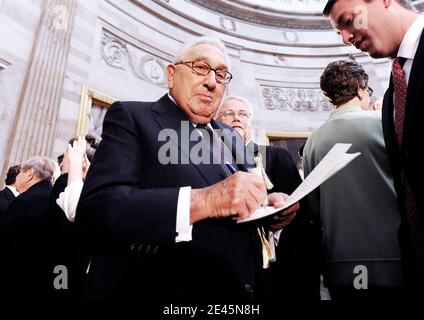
(334, 160)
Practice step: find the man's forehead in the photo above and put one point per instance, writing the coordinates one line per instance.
(234, 104)
(208, 53)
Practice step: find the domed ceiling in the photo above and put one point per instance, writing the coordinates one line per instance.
(298, 14)
(303, 6)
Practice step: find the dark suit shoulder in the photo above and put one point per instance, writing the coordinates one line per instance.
(6, 197)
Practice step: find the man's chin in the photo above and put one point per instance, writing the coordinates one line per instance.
(201, 119)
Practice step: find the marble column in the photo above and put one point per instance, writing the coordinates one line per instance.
(37, 109)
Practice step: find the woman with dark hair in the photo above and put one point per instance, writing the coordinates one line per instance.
(357, 207)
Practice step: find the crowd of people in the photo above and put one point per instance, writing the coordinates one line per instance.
(157, 213)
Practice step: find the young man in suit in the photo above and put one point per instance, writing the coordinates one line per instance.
(9, 192)
(392, 28)
(163, 225)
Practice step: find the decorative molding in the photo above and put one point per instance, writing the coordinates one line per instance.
(90, 98)
(4, 64)
(118, 54)
(228, 24)
(291, 36)
(262, 16)
(293, 99)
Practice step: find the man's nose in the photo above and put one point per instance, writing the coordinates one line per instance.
(347, 37)
(210, 80)
(236, 117)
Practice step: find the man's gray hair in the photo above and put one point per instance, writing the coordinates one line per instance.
(201, 40)
(238, 98)
(43, 167)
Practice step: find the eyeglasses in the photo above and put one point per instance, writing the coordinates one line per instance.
(370, 91)
(243, 115)
(201, 68)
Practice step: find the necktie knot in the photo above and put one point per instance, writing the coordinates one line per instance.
(219, 150)
(397, 66)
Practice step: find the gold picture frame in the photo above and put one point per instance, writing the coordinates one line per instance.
(90, 97)
(292, 141)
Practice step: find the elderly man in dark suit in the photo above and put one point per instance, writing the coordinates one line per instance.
(158, 212)
(297, 252)
(22, 233)
(9, 192)
(394, 29)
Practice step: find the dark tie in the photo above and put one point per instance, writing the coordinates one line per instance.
(219, 150)
(400, 88)
(414, 221)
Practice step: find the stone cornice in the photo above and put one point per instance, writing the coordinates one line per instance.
(263, 16)
(3, 64)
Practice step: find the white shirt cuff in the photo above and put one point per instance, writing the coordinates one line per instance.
(184, 228)
(276, 236)
(68, 199)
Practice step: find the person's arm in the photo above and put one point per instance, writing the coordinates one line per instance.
(114, 211)
(68, 199)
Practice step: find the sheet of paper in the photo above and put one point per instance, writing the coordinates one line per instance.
(333, 161)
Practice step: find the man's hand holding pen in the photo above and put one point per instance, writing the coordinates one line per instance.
(237, 196)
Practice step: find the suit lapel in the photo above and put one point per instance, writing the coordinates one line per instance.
(415, 87)
(171, 117)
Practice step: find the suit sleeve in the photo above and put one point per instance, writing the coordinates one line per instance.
(114, 211)
(284, 175)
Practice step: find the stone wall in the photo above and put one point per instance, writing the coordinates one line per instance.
(52, 49)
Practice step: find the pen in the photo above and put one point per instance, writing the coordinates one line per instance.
(230, 167)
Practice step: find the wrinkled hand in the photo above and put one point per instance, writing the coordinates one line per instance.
(281, 219)
(237, 196)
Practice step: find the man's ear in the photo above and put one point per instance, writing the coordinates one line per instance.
(31, 174)
(361, 93)
(170, 72)
(387, 3)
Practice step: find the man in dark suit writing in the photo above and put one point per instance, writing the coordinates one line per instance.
(162, 226)
(392, 28)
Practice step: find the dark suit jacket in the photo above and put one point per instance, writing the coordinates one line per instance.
(6, 197)
(128, 209)
(406, 161)
(64, 248)
(23, 244)
(295, 274)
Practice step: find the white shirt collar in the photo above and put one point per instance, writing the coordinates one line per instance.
(14, 191)
(408, 46)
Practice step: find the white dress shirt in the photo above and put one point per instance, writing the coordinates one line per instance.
(408, 48)
(68, 199)
(14, 191)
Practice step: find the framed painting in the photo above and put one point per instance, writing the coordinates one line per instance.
(292, 141)
(93, 107)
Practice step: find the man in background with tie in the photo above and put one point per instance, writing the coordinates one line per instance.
(393, 28)
(162, 223)
(298, 245)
